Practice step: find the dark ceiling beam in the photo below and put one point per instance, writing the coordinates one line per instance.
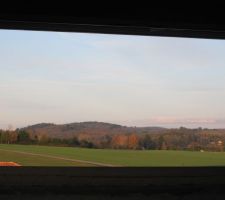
(131, 19)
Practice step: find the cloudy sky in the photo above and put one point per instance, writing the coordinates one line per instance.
(130, 80)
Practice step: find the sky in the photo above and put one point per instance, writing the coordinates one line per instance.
(56, 77)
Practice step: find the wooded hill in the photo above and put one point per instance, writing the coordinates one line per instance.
(88, 129)
(106, 135)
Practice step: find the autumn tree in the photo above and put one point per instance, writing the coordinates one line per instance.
(43, 139)
(12, 137)
(133, 141)
(119, 141)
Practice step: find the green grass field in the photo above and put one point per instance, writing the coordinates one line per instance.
(32, 155)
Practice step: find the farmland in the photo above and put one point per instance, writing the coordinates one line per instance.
(34, 155)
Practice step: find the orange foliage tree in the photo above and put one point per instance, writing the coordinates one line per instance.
(133, 141)
(119, 141)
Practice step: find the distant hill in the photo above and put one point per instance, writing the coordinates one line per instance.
(90, 129)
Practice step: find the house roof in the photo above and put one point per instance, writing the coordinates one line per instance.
(10, 164)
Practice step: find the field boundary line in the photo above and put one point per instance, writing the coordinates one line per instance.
(60, 158)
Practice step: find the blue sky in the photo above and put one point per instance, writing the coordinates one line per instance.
(130, 80)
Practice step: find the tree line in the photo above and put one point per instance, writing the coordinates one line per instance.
(170, 139)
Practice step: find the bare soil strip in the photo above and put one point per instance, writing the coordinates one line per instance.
(61, 158)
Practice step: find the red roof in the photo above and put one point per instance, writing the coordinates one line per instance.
(10, 164)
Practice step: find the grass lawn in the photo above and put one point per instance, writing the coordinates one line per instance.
(15, 153)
